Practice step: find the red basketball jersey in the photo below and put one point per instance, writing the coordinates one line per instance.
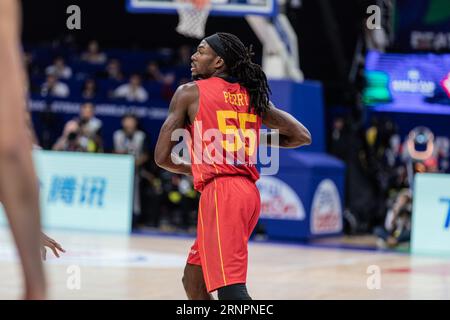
(225, 134)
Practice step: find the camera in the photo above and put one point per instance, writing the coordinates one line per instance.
(72, 136)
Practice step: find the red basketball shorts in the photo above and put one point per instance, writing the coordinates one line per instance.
(228, 212)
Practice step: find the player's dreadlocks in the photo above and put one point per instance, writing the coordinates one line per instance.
(250, 75)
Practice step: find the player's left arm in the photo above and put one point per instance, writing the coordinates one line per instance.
(183, 99)
(291, 133)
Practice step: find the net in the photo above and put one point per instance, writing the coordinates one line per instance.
(192, 17)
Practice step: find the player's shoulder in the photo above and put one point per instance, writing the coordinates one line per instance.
(188, 87)
(187, 90)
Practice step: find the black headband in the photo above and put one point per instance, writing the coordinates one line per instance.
(215, 43)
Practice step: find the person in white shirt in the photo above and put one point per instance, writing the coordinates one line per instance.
(131, 140)
(132, 91)
(59, 69)
(54, 88)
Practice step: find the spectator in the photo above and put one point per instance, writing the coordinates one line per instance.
(93, 54)
(90, 127)
(59, 69)
(70, 139)
(54, 88)
(82, 133)
(397, 227)
(89, 89)
(152, 73)
(132, 91)
(113, 71)
(130, 140)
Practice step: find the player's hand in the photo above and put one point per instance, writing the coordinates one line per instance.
(50, 243)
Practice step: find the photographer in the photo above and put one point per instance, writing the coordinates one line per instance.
(70, 139)
(397, 226)
(82, 134)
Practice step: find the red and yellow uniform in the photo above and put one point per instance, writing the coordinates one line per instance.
(229, 204)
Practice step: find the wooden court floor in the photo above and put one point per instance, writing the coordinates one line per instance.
(105, 266)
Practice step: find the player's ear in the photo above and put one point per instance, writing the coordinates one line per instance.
(219, 62)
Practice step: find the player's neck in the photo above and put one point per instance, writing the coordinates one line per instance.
(220, 74)
(225, 76)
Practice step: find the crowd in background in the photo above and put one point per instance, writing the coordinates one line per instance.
(161, 199)
(378, 183)
(63, 71)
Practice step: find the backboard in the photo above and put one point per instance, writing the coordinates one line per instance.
(219, 7)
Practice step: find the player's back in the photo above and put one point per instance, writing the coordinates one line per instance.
(225, 132)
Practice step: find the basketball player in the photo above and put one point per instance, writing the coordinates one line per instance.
(230, 92)
(18, 183)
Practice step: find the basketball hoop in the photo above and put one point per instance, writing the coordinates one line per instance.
(192, 17)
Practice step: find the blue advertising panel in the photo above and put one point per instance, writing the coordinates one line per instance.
(305, 102)
(414, 83)
(82, 191)
(304, 200)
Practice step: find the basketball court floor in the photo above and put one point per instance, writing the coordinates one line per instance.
(108, 266)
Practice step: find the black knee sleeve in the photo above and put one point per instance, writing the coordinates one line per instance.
(233, 292)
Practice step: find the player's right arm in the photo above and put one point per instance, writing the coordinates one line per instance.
(184, 100)
(292, 133)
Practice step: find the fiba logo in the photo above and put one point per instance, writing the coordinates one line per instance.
(326, 210)
(279, 200)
